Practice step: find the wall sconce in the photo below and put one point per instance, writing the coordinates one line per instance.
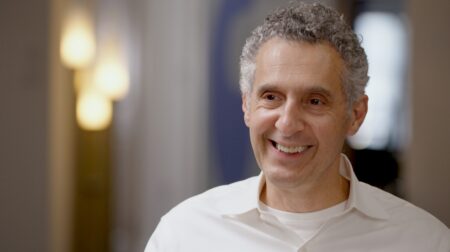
(111, 75)
(94, 110)
(99, 77)
(77, 47)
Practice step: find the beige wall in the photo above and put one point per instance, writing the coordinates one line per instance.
(427, 171)
(36, 120)
(61, 131)
(161, 127)
(23, 125)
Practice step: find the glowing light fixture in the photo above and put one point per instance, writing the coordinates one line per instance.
(77, 47)
(384, 39)
(82, 80)
(100, 76)
(94, 110)
(111, 78)
(111, 75)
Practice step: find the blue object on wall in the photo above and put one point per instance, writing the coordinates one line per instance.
(230, 139)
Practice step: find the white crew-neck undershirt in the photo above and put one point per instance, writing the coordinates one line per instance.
(305, 225)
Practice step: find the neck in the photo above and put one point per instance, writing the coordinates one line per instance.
(308, 198)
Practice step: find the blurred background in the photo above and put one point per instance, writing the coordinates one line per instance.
(114, 111)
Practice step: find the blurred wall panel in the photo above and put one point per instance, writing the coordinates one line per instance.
(428, 159)
(24, 145)
(61, 131)
(161, 149)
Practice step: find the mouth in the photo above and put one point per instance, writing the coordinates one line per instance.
(289, 149)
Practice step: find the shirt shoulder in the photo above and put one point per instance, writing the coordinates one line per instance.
(402, 212)
(212, 201)
(185, 225)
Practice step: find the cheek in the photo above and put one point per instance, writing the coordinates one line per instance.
(330, 130)
(261, 121)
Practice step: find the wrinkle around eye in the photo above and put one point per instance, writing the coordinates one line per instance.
(317, 104)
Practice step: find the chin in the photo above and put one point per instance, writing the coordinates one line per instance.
(283, 177)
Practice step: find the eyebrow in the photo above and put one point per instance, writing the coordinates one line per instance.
(320, 90)
(317, 89)
(267, 87)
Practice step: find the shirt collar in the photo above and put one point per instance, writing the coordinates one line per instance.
(246, 197)
(359, 197)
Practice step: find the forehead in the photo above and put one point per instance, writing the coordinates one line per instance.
(298, 64)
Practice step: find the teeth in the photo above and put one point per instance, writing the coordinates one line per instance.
(290, 149)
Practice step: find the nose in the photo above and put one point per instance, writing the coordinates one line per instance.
(290, 120)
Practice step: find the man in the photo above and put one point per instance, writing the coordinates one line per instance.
(303, 74)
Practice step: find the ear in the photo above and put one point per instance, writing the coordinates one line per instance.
(245, 108)
(358, 113)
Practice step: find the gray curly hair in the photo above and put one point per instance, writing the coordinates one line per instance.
(312, 23)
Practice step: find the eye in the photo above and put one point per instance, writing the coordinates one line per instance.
(270, 97)
(315, 101)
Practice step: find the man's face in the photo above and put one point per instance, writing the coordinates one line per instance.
(297, 112)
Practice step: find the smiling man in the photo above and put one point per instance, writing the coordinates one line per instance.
(298, 119)
(303, 74)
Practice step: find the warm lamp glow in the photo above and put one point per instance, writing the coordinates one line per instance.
(94, 110)
(83, 80)
(111, 77)
(78, 40)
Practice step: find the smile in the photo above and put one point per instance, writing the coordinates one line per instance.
(287, 149)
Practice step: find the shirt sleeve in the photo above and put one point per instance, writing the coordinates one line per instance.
(161, 239)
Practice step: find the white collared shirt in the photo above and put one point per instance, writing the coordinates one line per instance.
(230, 218)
